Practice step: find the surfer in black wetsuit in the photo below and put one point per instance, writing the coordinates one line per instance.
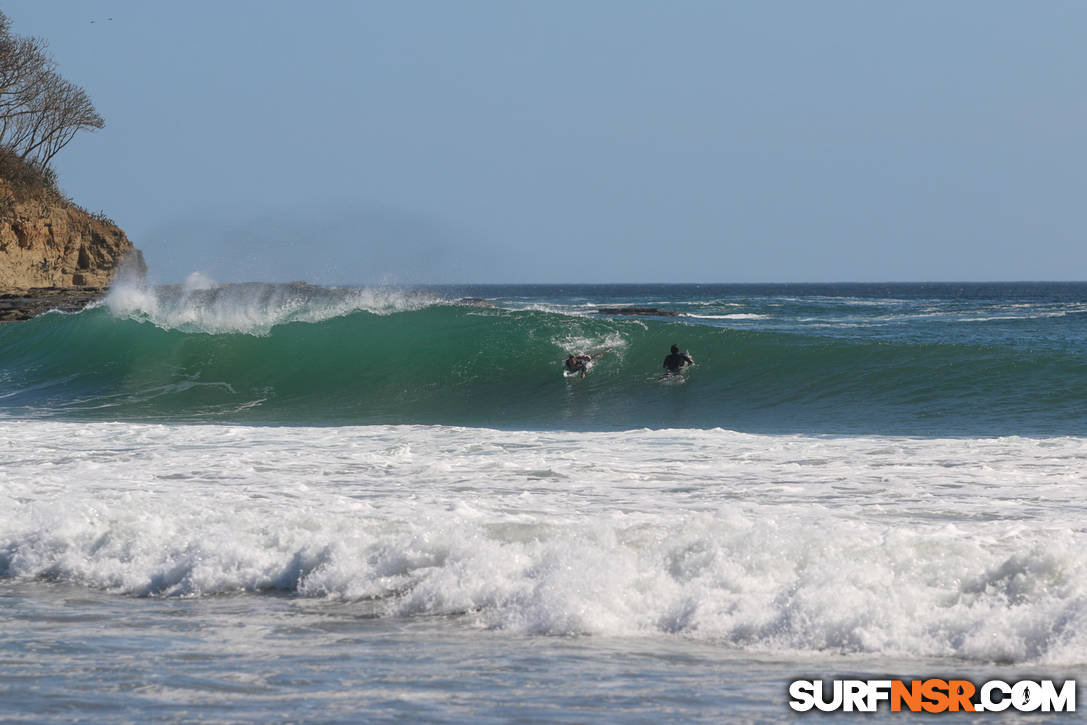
(578, 363)
(676, 360)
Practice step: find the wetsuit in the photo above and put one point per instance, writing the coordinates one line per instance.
(676, 360)
(577, 365)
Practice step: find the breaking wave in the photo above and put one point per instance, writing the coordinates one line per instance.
(301, 354)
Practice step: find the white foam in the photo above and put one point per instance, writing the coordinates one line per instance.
(904, 547)
(732, 316)
(575, 343)
(994, 318)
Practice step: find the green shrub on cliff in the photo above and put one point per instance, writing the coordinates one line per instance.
(20, 181)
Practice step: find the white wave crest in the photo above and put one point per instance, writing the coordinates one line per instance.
(201, 305)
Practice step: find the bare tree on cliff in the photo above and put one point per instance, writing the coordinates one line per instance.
(40, 112)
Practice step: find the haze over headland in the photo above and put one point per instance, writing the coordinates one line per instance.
(610, 141)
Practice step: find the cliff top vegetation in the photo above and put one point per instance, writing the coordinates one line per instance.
(40, 111)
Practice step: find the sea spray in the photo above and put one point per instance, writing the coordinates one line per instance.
(201, 305)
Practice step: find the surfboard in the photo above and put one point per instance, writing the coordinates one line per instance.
(577, 373)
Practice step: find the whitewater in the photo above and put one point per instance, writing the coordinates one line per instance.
(288, 502)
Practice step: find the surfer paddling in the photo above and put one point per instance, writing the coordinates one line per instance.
(579, 363)
(676, 360)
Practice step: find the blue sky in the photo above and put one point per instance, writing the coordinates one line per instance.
(344, 142)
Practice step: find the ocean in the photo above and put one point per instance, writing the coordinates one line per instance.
(293, 503)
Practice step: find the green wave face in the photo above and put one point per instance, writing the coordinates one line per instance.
(437, 363)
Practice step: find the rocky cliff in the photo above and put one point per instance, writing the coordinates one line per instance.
(46, 241)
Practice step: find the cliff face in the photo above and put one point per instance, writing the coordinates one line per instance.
(47, 242)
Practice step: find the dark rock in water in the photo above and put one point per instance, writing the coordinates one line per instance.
(641, 311)
(23, 305)
(477, 301)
